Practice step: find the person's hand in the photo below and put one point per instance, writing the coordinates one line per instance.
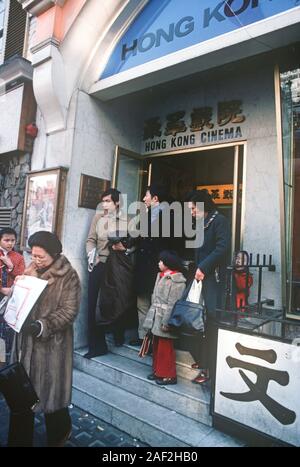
(18, 278)
(32, 328)
(118, 247)
(165, 328)
(199, 276)
(5, 290)
(7, 261)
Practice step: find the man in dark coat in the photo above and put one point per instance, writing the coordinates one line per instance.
(148, 249)
(211, 259)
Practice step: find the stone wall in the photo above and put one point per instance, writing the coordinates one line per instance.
(13, 170)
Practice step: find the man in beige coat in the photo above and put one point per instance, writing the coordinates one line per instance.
(106, 221)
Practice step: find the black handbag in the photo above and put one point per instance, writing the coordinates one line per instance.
(17, 388)
(187, 317)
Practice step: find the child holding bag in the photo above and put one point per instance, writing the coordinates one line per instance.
(169, 287)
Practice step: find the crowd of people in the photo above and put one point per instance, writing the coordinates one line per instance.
(139, 280)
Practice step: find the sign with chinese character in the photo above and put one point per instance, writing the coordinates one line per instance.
(221, 194)
(257, 384)
(202, 126)
(167, 26)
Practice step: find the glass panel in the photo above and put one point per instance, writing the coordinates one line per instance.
(131, 177)
(290, 99)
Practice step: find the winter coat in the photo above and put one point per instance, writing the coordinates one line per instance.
(117, 298)
(48, 359)
(211, 255)
(168, 289)
(101, 226)
(147, 254)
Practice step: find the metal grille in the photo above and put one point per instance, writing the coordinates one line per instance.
(5, 217)
(15, 30)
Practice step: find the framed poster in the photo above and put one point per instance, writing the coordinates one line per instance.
(44, 202)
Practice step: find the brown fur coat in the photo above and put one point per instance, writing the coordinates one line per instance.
(49, 359)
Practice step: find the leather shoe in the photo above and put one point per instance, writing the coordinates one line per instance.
(152, 377)
(136, 342)
(201, 378)
(164, 381)
(95, 354)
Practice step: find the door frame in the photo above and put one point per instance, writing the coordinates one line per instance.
(178, 152)
(236, 145)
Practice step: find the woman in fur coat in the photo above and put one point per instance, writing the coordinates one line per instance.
(46, 344)
(169, 287)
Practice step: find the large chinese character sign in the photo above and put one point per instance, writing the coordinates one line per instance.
(257, 384)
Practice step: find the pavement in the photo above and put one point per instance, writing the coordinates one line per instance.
(88, 431)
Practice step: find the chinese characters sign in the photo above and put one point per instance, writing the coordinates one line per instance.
(202, 126)
(221, 194)
(257, 384)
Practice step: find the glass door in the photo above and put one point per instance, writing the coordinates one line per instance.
(290, 105)
(130, 174)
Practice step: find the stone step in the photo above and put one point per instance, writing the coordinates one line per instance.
(145, 420)
(186, 398)
(183, 359)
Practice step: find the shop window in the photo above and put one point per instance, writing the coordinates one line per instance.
(290, 99)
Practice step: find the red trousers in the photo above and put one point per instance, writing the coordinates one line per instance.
(164, 357)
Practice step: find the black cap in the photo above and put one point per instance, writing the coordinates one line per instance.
(171, 260)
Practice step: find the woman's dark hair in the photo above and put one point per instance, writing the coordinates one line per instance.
(202, 196)
(171, 260)
(114, 193)
(46, 240)
(8, 231)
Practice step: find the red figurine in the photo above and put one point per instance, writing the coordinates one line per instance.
(240, 276)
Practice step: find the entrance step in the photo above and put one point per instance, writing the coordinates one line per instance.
(148, 421)
(183, 359)
(188, 399)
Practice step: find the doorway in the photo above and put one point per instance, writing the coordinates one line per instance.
(218, 169)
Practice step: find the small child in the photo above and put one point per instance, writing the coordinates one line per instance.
(11, 265)
(169, 287)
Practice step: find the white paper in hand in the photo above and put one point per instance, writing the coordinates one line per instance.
(26, 291)
(195, 292)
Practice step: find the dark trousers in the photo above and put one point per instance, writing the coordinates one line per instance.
(21, 428)
(96, 339)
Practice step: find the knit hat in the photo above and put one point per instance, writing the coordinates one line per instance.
(46, 240)
(171, 260)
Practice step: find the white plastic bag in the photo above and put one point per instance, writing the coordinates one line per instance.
(195, 292)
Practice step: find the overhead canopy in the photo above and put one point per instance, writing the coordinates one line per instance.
(170, 32)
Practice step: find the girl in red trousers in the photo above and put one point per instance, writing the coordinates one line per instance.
(169, 287)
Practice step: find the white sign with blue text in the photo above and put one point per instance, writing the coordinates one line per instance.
(167, 26)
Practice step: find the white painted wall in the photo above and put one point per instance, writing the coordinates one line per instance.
(94, 129)
(99, 127)
(254, 85)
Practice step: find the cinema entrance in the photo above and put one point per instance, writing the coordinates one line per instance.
(219, 169)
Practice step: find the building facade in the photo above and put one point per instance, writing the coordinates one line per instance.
(129, 92)
(196, 94)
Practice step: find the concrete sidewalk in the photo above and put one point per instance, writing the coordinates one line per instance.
(88, 431)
